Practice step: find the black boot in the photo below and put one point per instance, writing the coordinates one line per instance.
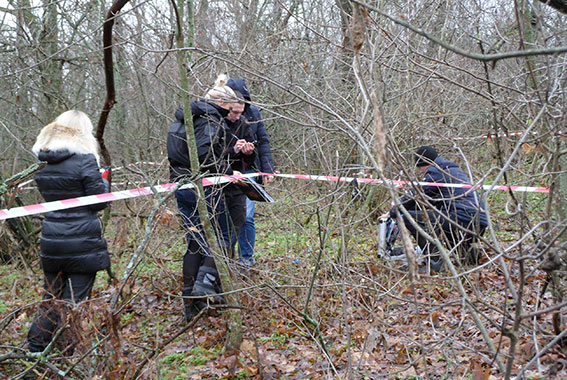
(207, 284)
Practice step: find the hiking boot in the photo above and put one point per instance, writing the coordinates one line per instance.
(204, 285)
(208, 285)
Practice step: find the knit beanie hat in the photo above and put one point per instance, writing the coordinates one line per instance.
(425, 155)
(221, 92)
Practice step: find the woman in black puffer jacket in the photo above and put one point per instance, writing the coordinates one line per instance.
(72, 248)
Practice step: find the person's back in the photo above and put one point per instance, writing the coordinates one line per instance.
(458, 202)
(72, 248)
(177, 151)
(71, 238)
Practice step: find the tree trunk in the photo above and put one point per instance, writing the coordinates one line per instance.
(234, 338)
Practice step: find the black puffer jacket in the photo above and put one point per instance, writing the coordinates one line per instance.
(71, 239)
(211, 136)
(177, 152)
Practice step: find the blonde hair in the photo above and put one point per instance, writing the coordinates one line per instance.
(72, 130)
(221, 92)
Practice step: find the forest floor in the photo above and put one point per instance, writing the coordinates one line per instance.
(362, 319)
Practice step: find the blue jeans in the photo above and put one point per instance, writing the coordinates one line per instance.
(247, 236)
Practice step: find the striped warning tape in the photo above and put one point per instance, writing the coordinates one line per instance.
(528, 189)
(144, 191)
(490, 136)
(63, 204)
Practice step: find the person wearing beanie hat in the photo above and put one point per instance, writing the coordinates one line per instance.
(425, 155)
(457, 215)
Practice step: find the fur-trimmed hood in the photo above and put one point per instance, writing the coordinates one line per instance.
(57, 137)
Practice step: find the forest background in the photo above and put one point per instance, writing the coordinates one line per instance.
(346, 88)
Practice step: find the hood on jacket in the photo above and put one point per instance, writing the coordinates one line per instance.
(201, 108)
(179, 115)
(54, 156)
(240, 86)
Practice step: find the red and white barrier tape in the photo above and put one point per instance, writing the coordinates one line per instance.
(40, 208)
(143, 191)
(136, 164)
(528, 189)
(511, 134)
(490, 136)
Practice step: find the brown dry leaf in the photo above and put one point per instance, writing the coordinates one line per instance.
(478, 371)
(402, 356)
(166, 217)
(528, 148)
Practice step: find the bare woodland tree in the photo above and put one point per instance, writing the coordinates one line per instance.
(345, 87)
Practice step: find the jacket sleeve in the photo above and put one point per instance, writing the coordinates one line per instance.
(92, 181)
(410, 203)
(263, 144)
(211, 146)
(177, 151)
(407, 202)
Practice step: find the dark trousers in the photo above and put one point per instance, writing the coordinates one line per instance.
(198, 252)
(443, 228)
(58, 286)
(236, 203)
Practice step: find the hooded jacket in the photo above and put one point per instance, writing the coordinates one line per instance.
(264, 161)
(460, 204)
(71, 239)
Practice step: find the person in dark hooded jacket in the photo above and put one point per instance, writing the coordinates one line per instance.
(263, 163)
(213, 139)
(72, 248)
(458, 214)
(235, 198)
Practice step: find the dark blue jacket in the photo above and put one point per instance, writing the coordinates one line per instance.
(71, 239)
(460, 204)
(264, 161)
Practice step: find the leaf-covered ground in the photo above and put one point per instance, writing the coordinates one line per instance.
(362, 318)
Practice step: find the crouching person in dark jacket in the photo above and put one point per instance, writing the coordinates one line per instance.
(457, 214)
(72, 248)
